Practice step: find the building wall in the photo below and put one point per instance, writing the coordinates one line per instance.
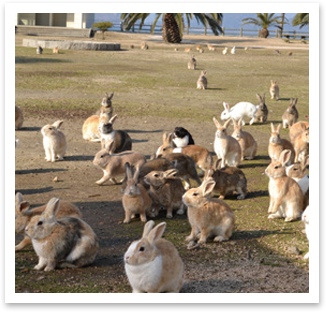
(27, 19)
(42, 19)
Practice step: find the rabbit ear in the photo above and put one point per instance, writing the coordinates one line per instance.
(208, 174)
(18, 198)
(278, 129)
(295, 101)
(147, 228)
(136, 174)
(217, 163)
(208, 187)
(112, 120)
(156, 233)
(57, 124)
(258, 97)
(305, 162)
(303, 126)
(226, 106)
(128, 171)
(272, 126)
(52, 208)
(227, 123)
(217, 124)
(240, 122)
(169, 138)
(109, 147)
(234, 122)
(111, 96)
(285, 156)
(170, 173)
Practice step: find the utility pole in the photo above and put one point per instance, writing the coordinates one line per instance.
(282, 24)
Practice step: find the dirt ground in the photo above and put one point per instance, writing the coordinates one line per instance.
(220, 269)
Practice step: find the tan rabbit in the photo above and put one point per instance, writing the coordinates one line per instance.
(54, 141)
(187, 49)
(211, 47)
(91, 124)
(285, 195)
(152, 264)
(277, 145)
(63, 243)
(23, 215)
(199, 154)
(291, 115)
(298, 172)
(202, 81)
(301, 143)
(135, 199)
(246, 141)
(114, 164)
(55, 50)
(19, 119)
(227, 180)
(166, 189)
(225, 146)
(297, 129)
(274, 90)
(208, 217)
(192, 63)
(122, 140)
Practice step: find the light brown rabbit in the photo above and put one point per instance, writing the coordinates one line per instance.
(122, 140)
(274, 90)
(24, 214)
(114, 164)
(19, 119)
(301, 143)
(291, 115)
(153, 264)
(298, 172)
(227, 180)
(187, 49)
(211, 47)
(55, 50)
(63, 243)
(202, 81)
(135, 199)
(285, 195)
(54, 141)
(192, 63)
(208, 217)
(297, 129)
(166, 190)
(246, 141)
(186, 168)
(91, 124)
(277, 145)
(199, 154)
(225, 146)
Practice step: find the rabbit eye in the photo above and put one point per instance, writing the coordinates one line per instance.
(164, 149)
(295, 169)
(142, 248)
(156, 175)
(276, 167)
(194, 194)
(102, 156)
(40, 223)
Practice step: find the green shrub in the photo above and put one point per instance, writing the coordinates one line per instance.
(103, 26)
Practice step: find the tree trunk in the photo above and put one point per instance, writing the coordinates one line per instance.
(282, 24)
(264, 33)
(170, 31)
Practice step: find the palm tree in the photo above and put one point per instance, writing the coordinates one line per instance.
(173, 23)
(301, 19)
(263, 20)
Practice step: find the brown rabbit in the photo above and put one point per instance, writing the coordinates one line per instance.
(297, 129)
(114, 164)
(192, 63)
(208, 217)
(55, 50)
(246, 141)
(202, 81)
(227, 180)
(135, 199)
(24, 214)
(90, 127)
(291, 115)
(286, 198)
(106, 105)
(144, 46)
(166, 189)
(277, 145)
(262, 110)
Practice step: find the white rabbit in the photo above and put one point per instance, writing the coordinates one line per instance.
(305, 219)
(232, 50)
(225, 51)
(153, 264)
(240, 110)
(54, 141)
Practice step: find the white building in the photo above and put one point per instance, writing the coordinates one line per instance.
(73, 20)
